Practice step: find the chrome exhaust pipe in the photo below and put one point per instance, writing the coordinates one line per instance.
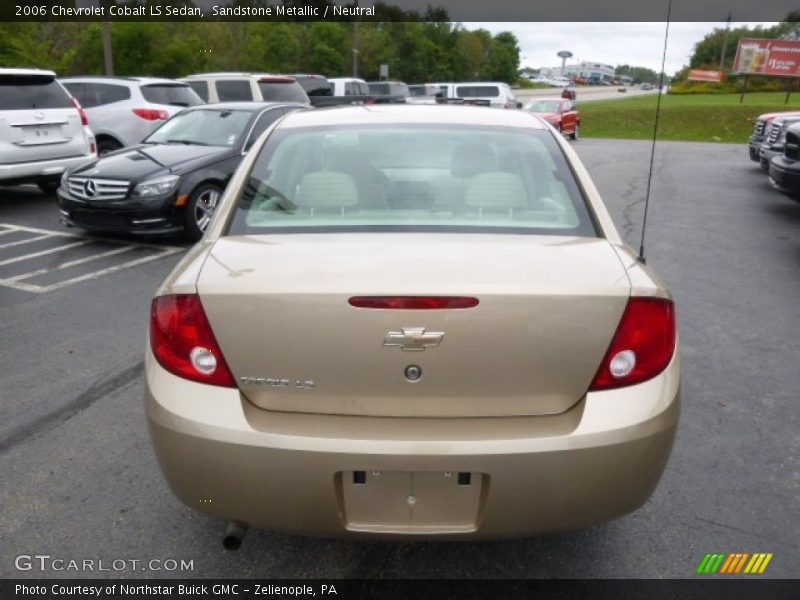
(234, 534)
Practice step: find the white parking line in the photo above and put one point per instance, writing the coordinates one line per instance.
(8, 261)
(25, 241)
(71, 263)
(18, 281)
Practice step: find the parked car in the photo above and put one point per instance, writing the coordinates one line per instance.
(775, 139)
(412, 321)
(560, 113)
(317, 87)
(174, 179)
(569, 92)
(43, 130)
(424, 93)
(349, 86)
(494, 94)
(246, 87)
(125, 110)
(760, 132)
(647, 87)
(784, 169)
(395, 89)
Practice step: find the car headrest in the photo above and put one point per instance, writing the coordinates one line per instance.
(326, 189)
(471, 159)
(496, 190)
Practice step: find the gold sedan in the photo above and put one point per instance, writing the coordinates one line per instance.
(412, 321)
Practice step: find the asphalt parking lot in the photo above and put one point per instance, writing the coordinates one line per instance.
(80, 480)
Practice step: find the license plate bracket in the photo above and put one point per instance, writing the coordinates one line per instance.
(417, 502)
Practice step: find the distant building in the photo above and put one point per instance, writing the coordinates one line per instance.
(590, 70)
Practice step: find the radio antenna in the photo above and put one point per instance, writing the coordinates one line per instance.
(655, 134)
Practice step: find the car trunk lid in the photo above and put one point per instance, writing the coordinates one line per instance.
(547, 310)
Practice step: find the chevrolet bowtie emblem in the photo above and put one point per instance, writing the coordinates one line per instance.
(413, 338)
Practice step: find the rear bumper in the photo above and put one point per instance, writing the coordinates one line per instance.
(32, 172)
(530, 475)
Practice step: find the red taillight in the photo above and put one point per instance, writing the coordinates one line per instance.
(642, 346)
(151, 114)
(183, 343)
(81, 112)
(413, 302)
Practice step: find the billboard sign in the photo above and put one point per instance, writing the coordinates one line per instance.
(700, 75)
(768, 57)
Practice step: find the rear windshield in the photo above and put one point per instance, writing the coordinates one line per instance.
(26, 92)
(477, 91)
(282, 91)
(422, 90)
(175, 94)
(315, 86)
(411, 178)
(389, 89)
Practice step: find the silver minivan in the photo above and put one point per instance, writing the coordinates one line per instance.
(43, 130)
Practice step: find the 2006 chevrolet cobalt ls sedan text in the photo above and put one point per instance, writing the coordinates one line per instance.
(412, 321)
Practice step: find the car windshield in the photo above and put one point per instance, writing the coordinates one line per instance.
(206, 127)
(411, 178)
(543, 106)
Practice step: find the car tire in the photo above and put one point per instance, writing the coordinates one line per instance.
(200, 208)
(106, 145)
(49, 186)
(576, 132)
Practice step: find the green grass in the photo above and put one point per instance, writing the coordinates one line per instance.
(693, 118)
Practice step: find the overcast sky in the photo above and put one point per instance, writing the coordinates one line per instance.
(636, 44)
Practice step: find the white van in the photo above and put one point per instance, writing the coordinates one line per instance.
(483, 93)
(43, 130)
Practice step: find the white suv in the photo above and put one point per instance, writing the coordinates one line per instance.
(484, 93)
(125, 110)
(43, 130)
(246, 87)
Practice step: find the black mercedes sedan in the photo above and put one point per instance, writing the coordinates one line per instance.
(174, 179)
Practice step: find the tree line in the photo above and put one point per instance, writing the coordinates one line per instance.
(416, 51)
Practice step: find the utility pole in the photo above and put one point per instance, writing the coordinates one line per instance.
(108, 55)
(355, 48)
(724, 43)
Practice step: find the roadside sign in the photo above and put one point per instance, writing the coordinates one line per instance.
(701, 75)
(779, 58)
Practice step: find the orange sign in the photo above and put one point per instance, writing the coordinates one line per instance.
(700, 75)
(768, 57)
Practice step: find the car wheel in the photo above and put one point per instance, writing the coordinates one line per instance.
(106, 145)
(576, 132)
(49, 186)
(200, 209)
